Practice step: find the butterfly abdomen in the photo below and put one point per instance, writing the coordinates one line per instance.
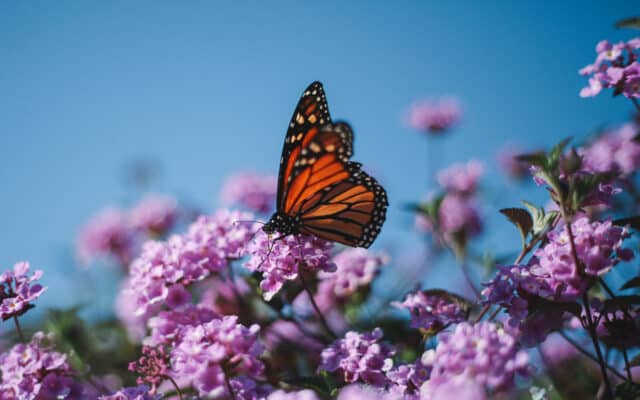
(283, 224)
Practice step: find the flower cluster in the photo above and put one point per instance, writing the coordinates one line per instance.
(166, 327)
(359, 356)
(483, 352)
(164, 269)
(284, 259)
(297, 395)
(616, 66)
(406, 379)
(355, 268)
(614, 151)
(432, 310)
(598, 247)
(35, 371)
(155, 215)
(213, 352)
(17, 290)
(132, 393)
(152, 367)
(106, 234)
(116, 233)
(434, 116)
(457, 216)
(253, 191)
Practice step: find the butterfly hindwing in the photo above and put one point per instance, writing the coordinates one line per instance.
(349, 212)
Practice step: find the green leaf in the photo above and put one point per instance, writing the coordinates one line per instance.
(541, 220)
(633, 222)
(539, 304)
(635, 361)
(557, 151)
(631, 283)
(628, 391)
(630, 23)
(521, 219)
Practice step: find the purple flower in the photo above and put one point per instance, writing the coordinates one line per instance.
(204, 357)
(163, 269)
(359, 357)
(513, 288)
(251, 190)
(407, 379)
(17, 290)
(615, 67)
(483, 352)
(108, 234)
(461, 178)
(35, 371)
(155, 215)
(459, 215)
(364, 392)
(281, 260)
(434, 116)
(432, 310)
(132, 393)
(613, 151)
(297, 395)
(355, 268)
(167, 327)
(598, 247)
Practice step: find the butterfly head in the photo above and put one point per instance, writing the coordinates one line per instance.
(283, 224)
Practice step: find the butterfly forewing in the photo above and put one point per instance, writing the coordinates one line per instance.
(311, 113)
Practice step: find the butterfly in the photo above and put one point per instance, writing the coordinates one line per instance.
(321, 192)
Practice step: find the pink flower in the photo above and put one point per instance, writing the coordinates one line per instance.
(282, 260)
(359, 357)
(155, 214)
(203, 354)
(434, 116)
(615, 67)
(253, 191)
(461, 178)
(108, 234)
(17, 290)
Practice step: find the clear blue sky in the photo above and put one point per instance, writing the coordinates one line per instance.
(207, 89)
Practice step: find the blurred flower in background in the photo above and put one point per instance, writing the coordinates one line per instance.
(434, 116)
(253, 191)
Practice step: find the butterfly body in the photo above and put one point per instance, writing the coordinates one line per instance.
(321, 192)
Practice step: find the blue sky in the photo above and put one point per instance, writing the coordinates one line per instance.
(208, 88)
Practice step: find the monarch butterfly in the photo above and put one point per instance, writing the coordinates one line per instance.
(321, 192)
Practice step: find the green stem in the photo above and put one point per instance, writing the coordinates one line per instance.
(321, 318)
(229, 388)
(20, 334)
(175, 385)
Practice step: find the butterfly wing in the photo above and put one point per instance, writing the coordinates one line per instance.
(333, 197)
(311, 113)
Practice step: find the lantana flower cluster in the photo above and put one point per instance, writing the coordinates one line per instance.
(457, 214)
(359, 356)
(434, 116)
(116, 233)
(253, 191)
(484, 352)
(431, 311)
(165, 269)
(613, 151)
(18, 290)
(212, 353)
(35, 371)
(616, 66)
(284, 259)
